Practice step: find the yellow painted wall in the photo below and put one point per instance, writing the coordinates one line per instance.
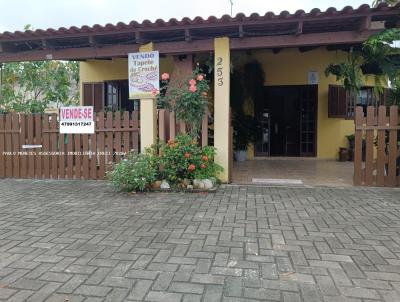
(290, 67)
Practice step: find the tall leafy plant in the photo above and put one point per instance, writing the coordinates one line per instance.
(349, 73)
(389, 2)
(188, 99)
(246, 86)
(379, 51)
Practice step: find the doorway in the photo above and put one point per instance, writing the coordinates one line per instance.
(288, 121)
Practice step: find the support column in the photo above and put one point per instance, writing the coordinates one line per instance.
(221, 105)
(148, 115)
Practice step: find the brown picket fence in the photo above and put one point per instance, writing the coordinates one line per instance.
(376, 153)
(169, 126)
(32, 147)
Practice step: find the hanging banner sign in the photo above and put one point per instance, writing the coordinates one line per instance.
(77, 119)
(143, 72)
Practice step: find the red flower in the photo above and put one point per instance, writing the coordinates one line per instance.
(200, 77)
(203, 166)
(191, 167)
(192, 82)
(187, 155)
(165, 76)
(205, 158)
(193, 88)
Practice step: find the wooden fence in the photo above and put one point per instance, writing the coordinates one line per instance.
(32, 147)
(376, 155)
(169, 127)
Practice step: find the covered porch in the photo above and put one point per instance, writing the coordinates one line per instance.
(298, 171)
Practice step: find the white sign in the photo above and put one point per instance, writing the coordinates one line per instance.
(143, 72)
(77, 119)
(313, 77)
(31, 146)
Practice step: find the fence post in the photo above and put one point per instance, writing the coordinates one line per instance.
(2, 147)
(393, 121)
(161, 125)
(359, 119)
(381, 154)
(369, 146)
(172, 125)
(31, 159)
(204, 130)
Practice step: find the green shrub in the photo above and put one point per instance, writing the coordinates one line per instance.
(184, 158)
(208, 168)
(175, 161)
(136, 172)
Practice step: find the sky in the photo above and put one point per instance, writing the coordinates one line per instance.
(43, 14)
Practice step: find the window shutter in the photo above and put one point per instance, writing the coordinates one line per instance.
(337, 102)
(98, 97)
(93, 95)
(87, 94)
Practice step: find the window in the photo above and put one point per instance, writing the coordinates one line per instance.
(93, 95)
(112, 96)
(117, 96)
(342, 105)
(109, 95)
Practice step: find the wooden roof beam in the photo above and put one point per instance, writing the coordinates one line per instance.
(299, 28)
(91, 40)
(138, 37)
(188, 36)
(195, 46)
(241, 31)
(365, 23)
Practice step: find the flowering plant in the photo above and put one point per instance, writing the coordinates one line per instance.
(176, 161)
(189, 99)
(182, 158)
(136, 171)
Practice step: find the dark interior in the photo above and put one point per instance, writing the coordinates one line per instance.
(287, 119)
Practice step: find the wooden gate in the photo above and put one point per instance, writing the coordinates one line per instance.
(32, 147)
(376, 155)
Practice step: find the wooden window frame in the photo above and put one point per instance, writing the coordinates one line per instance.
(340, 104)
(90, 99)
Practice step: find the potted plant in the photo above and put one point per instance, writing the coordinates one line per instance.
(247, 85)
(244, 133)
(351, 141)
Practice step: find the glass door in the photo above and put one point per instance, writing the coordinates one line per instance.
(308, 120)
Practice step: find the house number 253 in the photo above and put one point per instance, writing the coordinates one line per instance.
(219, 69)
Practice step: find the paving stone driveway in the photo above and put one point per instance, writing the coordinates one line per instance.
(81, 241)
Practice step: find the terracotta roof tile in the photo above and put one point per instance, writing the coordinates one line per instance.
(159, 23)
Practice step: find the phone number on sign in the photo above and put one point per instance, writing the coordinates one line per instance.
(75, 124)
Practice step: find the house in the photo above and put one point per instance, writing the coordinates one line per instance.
(303, 112)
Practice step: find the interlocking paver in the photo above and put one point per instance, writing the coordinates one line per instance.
(82, 241)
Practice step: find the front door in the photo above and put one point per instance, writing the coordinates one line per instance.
(287, 119)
